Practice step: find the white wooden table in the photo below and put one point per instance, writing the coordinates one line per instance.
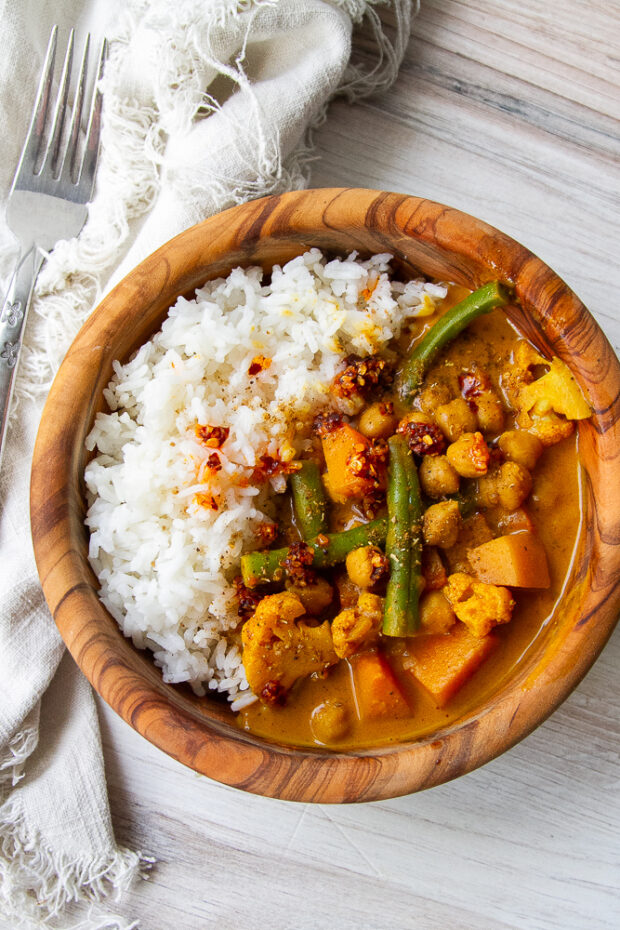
(507, 109)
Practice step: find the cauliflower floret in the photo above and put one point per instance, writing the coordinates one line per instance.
(548, 405)
(357, 626)
(550, 428)
(556, 390)
(277, 650)
(478, 605)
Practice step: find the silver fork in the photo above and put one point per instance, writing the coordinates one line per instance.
(48, 200)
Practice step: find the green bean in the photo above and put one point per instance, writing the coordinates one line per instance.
(264, 566)
(452, 323)
(416, 512)
(397, 619)
(466, 499)
(309, 500)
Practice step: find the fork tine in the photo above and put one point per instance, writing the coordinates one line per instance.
(58, 122)
(36, 129)
(86, 180)
(69, 168)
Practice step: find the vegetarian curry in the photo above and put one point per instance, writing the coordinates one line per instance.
(424, 539)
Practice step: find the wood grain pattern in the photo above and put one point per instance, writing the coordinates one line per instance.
(425, 236)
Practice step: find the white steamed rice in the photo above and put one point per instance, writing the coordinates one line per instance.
(164, 561)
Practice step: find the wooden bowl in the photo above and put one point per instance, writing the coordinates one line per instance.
(423, 236)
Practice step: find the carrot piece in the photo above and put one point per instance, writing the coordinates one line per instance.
(377, 692)
(518, 560)
(443, 663)
(344, 449)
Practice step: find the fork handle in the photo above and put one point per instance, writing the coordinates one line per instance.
(12, 323)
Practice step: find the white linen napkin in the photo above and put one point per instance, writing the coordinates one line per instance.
(207, 103)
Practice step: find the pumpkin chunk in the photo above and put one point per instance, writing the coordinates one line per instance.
(443, 663)
(377, 692)
(518, 560)
(354, 469)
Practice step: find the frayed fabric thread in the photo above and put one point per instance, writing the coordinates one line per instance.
(37, 884)
(19, 748)
(133, 156)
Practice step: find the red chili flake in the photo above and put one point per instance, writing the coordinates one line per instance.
(259, 363)
(380, 566)
(212, 436)
(299, 558)
(326, 423)
(473, 384)
(361, 376)
(213, 462)
(369, 462)
(268, 467)
(273, 693)
(424, 438)
(206, 500)
(248, 598)
(267, 532)
(322, 540)
(479, 454)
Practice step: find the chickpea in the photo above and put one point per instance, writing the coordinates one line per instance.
(414, 417)
(433, 570)
(520, 446)
(514, 483)
(490, 412)
(469, 455)
(329, 722)
(438, 477)
(366, 566)
(486, 490)
(315, 597)
(456, 418)
(436, 614)
(378, 420)
(348, 593)
(433, 396)
(442, 523)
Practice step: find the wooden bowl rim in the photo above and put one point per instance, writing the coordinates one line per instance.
(229, 755)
